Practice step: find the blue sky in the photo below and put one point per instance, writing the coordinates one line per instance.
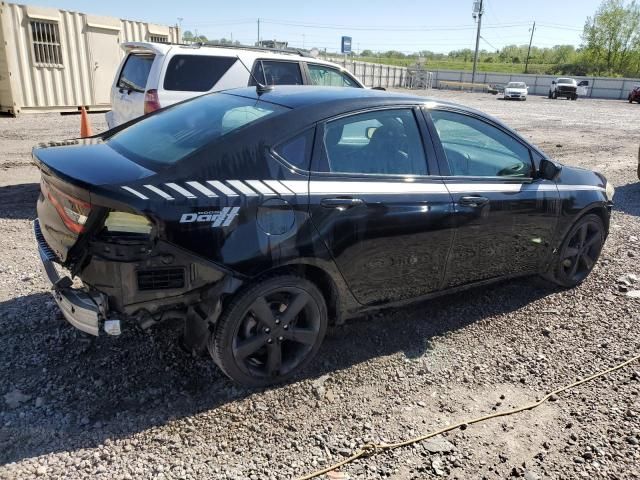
(407, 26)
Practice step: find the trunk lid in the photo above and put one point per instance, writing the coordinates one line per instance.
(70, 174)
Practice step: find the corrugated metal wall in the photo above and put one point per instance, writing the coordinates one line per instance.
(66, 86)
(599, 87)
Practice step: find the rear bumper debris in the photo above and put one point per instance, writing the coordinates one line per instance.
(85, 310)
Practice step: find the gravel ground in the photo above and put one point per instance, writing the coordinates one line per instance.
(138, 407)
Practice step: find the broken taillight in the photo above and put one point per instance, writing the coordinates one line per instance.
(72, 211)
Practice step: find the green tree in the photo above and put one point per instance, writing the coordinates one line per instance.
(612, 38)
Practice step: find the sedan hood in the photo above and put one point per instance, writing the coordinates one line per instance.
(87, 163)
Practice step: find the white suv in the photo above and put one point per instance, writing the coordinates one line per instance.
(155, 75)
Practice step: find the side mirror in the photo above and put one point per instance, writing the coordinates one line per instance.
(548, 170)
(553, 82)
(379, 88)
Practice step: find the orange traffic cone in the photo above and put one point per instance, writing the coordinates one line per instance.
(85, 126)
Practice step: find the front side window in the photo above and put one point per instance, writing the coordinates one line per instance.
(135, 72)
(195, 73)
(269, 72)
(45, 37)
(476, 148)
(329, 77)
(171, 135)
(384, 142)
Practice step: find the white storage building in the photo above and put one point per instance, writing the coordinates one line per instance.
(58, 60)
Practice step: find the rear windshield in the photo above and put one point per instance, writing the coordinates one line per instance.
(169, 136)
(135, 72)
(195, 73)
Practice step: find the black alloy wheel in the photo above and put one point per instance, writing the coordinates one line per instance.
(579, 252)
(270, 331)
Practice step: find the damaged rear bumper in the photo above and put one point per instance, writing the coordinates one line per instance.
(84, 310)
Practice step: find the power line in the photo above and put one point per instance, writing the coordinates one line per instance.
(404, 28)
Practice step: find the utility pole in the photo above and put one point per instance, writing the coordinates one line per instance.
(526, 65)
(475, 57)
(258, 44)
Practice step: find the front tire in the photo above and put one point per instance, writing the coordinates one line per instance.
(270, 331)
(578, 253)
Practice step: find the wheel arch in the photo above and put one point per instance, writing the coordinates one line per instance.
(331, 288)
(600, 209)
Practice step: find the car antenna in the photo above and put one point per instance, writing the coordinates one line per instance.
(260, 88)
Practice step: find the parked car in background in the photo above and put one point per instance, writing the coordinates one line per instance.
(337, 201)
(564, 87)
(516, 91)
(155, 75)
(634, 94)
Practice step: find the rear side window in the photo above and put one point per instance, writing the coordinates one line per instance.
(195, 73)
(169, 136)
(135, 72)
(269, 72)
(386, 142)
(297, 151)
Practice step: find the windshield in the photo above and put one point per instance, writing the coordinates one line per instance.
(171, 135)
(566, 80)
(516, 85)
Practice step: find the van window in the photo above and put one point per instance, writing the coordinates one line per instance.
(270, 72)
(167, 137)
(135, 72)
(195, 73)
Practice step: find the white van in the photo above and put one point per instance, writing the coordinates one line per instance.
(155, 75)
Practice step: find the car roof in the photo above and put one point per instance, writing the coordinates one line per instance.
(296, 96)
(248, 53)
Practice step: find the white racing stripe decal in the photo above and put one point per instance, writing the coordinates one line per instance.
(202, 189)
(299, 187)
(164, 195)
(255, 188)
(581, 187)
(242, 188)
(221, 187)
(180, 190)
(278, 187)
(260, 187)
(136, 193)
(382, 188)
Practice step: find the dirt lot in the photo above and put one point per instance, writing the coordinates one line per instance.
(137, 407)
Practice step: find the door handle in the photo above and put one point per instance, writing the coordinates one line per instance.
(341, 203)
(473, 201)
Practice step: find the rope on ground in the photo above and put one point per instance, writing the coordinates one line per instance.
(374, 448)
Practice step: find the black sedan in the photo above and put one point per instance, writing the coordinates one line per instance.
(258, 218)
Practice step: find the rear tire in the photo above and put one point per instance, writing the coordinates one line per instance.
(258, 341)
(578, 253)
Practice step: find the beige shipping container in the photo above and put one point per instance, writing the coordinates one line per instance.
(58, 60)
